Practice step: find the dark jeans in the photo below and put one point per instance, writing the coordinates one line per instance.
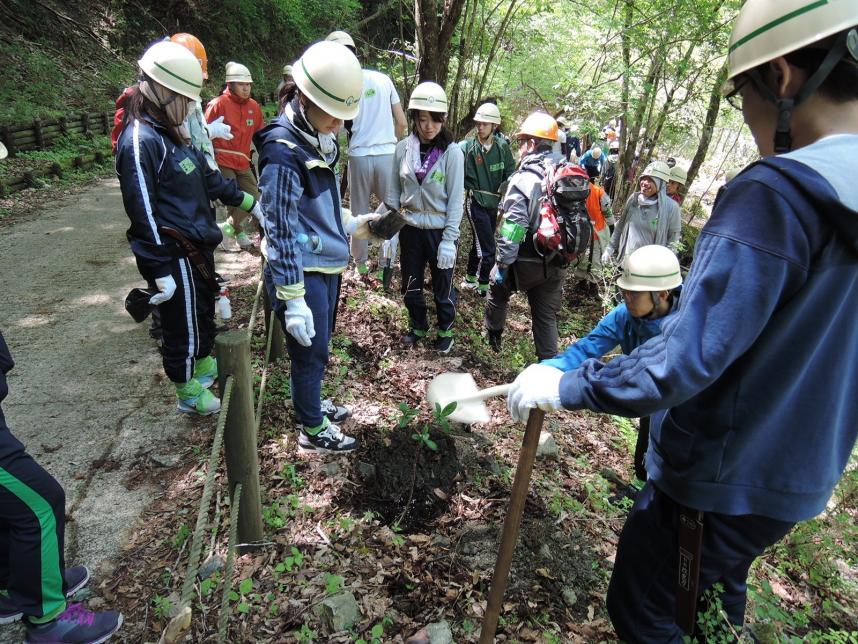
(187, 322)
(32, 525)
(481, 258)
(308, 363)
(544, 288)
(642, 592)
(418, 248)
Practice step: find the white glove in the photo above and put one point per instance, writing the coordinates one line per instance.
(536, 386)
(446, 254)
(166, 286)
(358, 227)
(220, 130)
(256, 211)
(607, 256)
(299, 321)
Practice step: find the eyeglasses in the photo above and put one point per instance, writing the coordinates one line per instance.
(733, 91)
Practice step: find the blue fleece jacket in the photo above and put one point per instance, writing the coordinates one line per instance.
(299, 194)
(618, 327)
(756, 372)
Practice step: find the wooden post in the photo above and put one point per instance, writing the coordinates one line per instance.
(511, 524)
(242, 464)
(8, 141)
(278, 347)
(105, 123)
(84, 119)
(37, 129)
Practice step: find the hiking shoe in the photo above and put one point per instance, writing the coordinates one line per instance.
(244, 241)
(483, 290)
(75, 625)
(335, 413)
(229, 243)
(443, 344)
(386, 275)
(193, 399)
(205, 371)
(413, 337)
(75, 578)
(328, 441)
(494, 339)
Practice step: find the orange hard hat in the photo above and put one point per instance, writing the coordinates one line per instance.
(539, 125)
(193, 44)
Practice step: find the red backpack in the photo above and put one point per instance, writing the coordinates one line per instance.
(563, 226)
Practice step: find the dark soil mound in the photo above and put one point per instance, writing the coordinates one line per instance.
(403, 482)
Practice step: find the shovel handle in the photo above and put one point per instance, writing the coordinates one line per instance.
(483, 394)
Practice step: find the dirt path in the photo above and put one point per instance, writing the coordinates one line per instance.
(88, 396)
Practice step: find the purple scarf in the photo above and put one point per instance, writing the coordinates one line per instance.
(412, 150)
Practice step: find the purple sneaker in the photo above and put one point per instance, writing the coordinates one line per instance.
(75, 625)
(75, 578)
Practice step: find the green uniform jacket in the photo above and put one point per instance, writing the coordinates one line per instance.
(486, 171)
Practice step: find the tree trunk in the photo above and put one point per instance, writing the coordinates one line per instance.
(436, 23)
(708, 127)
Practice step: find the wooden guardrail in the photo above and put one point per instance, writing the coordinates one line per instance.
(42, 133)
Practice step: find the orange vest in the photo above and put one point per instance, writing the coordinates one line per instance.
(594, 207)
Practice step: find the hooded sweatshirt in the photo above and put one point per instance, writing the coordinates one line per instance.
(755, 374)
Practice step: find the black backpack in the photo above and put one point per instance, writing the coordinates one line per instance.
(567, 187)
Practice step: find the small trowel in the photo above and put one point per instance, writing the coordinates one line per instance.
(461, 389)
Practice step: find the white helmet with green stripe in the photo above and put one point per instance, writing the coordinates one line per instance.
(174, 67)
(430, 97)
(650, 268)
(330, 76)
(765, 30)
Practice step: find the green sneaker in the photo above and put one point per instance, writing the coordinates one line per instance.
(228, 244)
(206, 371)
(193, 399)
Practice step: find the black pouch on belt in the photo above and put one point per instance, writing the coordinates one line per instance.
(197, 258)
(687, 584)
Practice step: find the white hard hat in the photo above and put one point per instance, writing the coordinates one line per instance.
(765, 30)
(678, 174)
(173, 66)
(341, 37)
(650, 268)
(488, 113)
(330, 75)
(428, 96)
(657, 169)
(3, 151)
(237, 73)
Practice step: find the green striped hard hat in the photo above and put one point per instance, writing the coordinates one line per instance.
(171, 65)
(430, 97)
(329, 74)
(766, 29)
(650, 268)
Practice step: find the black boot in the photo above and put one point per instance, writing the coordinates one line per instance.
(386, 275)
(494, 339)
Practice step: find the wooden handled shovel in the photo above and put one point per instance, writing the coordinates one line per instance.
(511, 524)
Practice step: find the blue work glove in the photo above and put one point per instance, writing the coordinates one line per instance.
(497, 274)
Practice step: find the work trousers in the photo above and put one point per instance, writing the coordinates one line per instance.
(481, 258)
(642, 592)
(308, 363)
(367, 176)
(32, 525)
(246, 180)
(420, 247)
(544, 288)
(187, 321)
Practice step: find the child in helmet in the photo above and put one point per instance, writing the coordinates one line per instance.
(649, 217)
(237, 109)
(428, 181)
(306, 228)
(678, 178)
(167, 187)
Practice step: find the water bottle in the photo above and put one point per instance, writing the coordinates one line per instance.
(310, 243)
(224, 309)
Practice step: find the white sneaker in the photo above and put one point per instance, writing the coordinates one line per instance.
(229, 244)
(468, 286)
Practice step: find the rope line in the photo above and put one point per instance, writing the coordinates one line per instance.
(262, 382)
(205, 502)
(252, 321)
(223, 616)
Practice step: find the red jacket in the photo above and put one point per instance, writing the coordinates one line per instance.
(117, 117)
(245, 118)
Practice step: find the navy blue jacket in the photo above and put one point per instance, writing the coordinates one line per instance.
(167, 184)
(757, 369)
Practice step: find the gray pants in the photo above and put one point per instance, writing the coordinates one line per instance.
(544, 288)
(367, 176)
